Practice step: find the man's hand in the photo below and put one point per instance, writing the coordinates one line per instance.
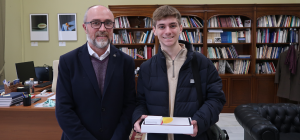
(137, 126)
(195, 128)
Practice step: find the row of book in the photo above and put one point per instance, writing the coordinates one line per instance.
(265, 68)
(189, 22)
(278, 21)
(270, 52)
(233, 37)
(228, 21)
(222, 52)
(125, 37)
(229, 37)
(278, 36)
(122, 22)
(192, 37)
(223, 66)
(197, 49)
(148, 22)
(141, 53)
(238, 66)
(241, 66)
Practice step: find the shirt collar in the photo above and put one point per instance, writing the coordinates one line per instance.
(94, 54)
(183, 48)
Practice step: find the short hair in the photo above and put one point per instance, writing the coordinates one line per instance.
(164, 12)
(85, 15)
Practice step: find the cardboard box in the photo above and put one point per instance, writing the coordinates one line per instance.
(174, 125)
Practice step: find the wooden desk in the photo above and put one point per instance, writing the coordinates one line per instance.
(29, 123)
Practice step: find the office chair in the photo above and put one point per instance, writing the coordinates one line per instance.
(55, 74)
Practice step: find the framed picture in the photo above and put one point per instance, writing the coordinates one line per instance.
(67, 27)
(39, 29)
(218, 40)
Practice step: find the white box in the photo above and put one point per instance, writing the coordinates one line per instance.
(178, 125)
(153, 120)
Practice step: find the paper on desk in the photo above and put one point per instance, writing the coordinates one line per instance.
(52, 97)
(40, 104)
(44, 94)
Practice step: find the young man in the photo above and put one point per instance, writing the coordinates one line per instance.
(95, 95)
(164, 83)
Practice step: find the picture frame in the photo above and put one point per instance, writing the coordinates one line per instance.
(67, 27)
(39, 27)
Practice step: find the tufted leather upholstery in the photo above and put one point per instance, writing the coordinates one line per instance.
(269, 121)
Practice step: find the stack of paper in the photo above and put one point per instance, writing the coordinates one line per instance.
(11, 98)
(45, 94)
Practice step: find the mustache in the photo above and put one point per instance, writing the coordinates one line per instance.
(101, 33)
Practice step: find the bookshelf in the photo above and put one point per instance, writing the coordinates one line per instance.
(238, 88)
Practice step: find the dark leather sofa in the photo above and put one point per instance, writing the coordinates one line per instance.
(279, 121)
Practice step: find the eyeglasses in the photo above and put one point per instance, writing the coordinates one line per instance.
(98, 24)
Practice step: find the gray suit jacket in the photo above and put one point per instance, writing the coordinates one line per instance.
(289, 84)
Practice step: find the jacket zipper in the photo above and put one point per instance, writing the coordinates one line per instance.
(177, 82)
(173, 68)
(174, 61)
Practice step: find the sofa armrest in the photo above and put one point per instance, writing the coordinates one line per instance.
(254, 124)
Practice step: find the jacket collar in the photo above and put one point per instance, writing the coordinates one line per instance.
(87, 65)
(162, 59)
(114, 57)
(85, 60)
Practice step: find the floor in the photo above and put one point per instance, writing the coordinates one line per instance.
(228, 122)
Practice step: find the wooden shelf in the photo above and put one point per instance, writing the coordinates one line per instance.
(230, 28)
(229, 43)
(187, 28)
(235, 75)
(238, 88)
(230, 58)
(263, 75)
(276, 27)
(262, 59)
(134, 29)
(133, 45)
(274, 43)
(197, 43)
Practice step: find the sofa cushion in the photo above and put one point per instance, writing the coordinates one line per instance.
(289, 136)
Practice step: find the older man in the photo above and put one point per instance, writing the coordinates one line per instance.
(95, 95)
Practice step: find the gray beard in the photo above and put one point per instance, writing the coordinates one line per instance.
(99, 44)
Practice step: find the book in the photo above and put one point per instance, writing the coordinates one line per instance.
(198, 22)
(228, 67)
(241, 40)
(149, 52)
(145, 37)
(244, 56)
(222, 64)
(11, 98)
